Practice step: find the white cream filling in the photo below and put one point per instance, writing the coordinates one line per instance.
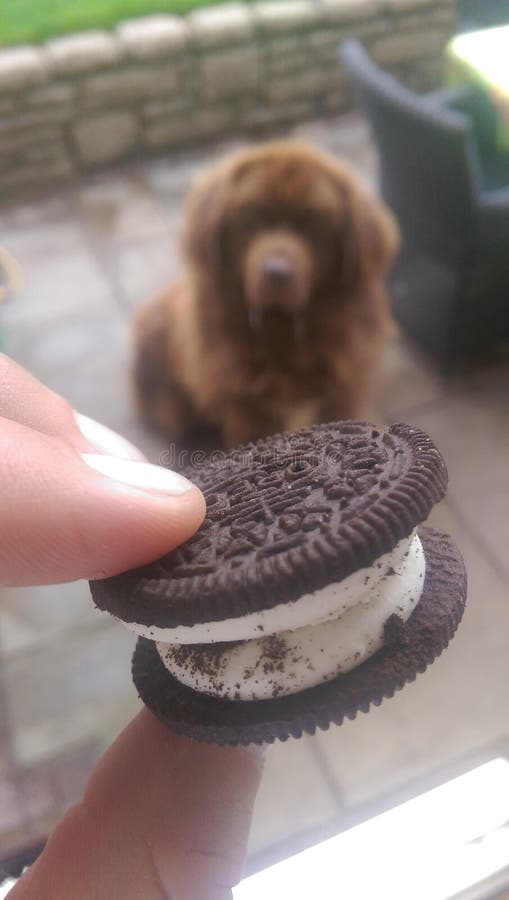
(329, 602)
(299, 658)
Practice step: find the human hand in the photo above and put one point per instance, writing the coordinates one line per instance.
(162, 816)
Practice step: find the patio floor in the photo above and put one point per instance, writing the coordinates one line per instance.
(91, 253)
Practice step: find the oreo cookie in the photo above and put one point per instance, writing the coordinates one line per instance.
(308, 593)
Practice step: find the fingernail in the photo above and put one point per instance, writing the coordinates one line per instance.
(103, 438)
(143, 475)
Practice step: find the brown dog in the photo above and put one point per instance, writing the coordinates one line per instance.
(282, 313)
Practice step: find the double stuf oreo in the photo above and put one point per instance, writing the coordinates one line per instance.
(285, 516)
(410, 651)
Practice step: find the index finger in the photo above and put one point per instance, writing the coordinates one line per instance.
(23, 399)
(162, 816)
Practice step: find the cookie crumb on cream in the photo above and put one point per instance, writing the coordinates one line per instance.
(293, 660)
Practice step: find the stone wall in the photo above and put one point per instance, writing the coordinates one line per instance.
(92, 98)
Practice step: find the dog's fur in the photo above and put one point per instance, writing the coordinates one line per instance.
(239, 346)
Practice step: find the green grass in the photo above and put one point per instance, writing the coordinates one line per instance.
(31, 21)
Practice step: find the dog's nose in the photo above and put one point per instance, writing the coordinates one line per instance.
(277, 271)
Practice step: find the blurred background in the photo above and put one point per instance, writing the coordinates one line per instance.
(107, 112)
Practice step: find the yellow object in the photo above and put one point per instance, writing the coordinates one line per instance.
(486, 54)
(13, 272)
(482, 58)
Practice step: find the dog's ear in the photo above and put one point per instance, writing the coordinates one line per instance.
(369, 232)
(371, 236)
(205, 215)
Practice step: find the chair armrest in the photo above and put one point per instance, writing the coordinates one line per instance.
(472, 102)
(495, 202)
(452, 97)
(493, 219)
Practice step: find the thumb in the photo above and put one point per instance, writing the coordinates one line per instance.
(66, 515)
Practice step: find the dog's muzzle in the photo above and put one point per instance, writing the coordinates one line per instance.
(278, 271)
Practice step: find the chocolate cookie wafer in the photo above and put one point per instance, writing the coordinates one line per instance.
(308, 593)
